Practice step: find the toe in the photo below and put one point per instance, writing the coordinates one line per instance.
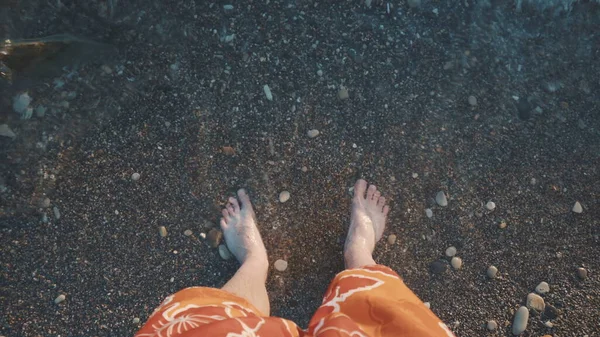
(381, 202)
(244, 198)
(376, 197)
(371, 191)
(230, 209)
(236, 206)
(224, 224)
(386, 210)
(359, 188)
(226, 216)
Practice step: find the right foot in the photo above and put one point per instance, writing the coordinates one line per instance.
(366, 225)
(240, 231)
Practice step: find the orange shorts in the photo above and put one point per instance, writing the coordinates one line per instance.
(370, 301)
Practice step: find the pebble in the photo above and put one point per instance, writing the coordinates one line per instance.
(60, 298)
(136, 320)
(162, 230)
(320, 72)
(535, 301)
(542, 288)
(281, 265)
(428, 305)
(224, 252)
(472, 100)
(520, 321)
(56, 212)
(492, 272)
(577, 207)
(343, 93)
(492, 325)
(268, 93)
(6, 131)
(550, 312)
(582, 273)
(227, 7)
(312, 133)
(203, 236)
(490, 205)
(21, 103)
(413, 3)
(456, 262)
(441, 199)
(304, 169)
(429, 212)
(502, 224)
(438, 267)
(548, 324)
(40, 111)
(284, 196)
(391, 239)
(214, 237)
(451, 251)
(106, 69)
(135, 176)
(187, 232)
(45, 203)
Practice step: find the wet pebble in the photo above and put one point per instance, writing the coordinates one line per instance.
(312, 133)
(281, 265)
(214, 237)
(391, 239)
(227, 7)
(224, 252)
(45, 203)
(438, 267)
(60, 298)
(284, 196)
(490, 206)
(441, 199)
(6, 131)
(577, 207)
(472, 100)
(520, 321)
(456, 262)
(535, 301)
(136, 320)
(162, 230)
(187, 232)
(492, 325)
(268, 93)
(135, 176)
(320, 72)
(582, 273)
(451, 251)
(542, 288)
(429, 212)
(343, 94)
(56, 212)
(492, 272)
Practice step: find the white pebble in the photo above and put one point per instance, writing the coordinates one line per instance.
(456, 262)
(60, 298)
(441, 199)
(391, 239)
(187, 232)
(429, 212)
(224, 252)
(415, 175)
(203, 235)
(312, 133)
(451, 251)
(284, 196)
(281, 265)
(136, 320)
(135, 176)
(56, 212)
(473, 100)
(492, 272)
(548, 324)
(490, 205)
(268, 92)
(428, 305)
(520, 321)
(542, 288)
(162, 230)
(577, 207)
(492, 325)
(320, 72)
(227, 7)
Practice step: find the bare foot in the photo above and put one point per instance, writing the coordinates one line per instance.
(240, 231)
(366, 225)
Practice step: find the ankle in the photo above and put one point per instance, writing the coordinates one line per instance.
(355, 258)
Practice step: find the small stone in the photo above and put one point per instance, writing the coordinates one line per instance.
(492, 272)
(224, 252)
(535, 301)
(438, 267)
(284, 196)
(214, 237)
(428, 305)
(106, 69)
(45, 203)
(162, 230)
(304, 169)
(312, 133)
(268, 93)
(227, 7)
(550, 312)
(281, 265)
(548, 324)
(391, 239)
(320, 72)
(413, 3)
(577, 207)
(451, 251)
(415, 175)
(56, 212)
(21, 103)
(582, 273)
(441, 199)
(136, 320)
(343, 94)
(520, 321)
(492, 325)
(542, 288)
(187, 232)
(490, 206)
(472, 100)
(135, 176)
(456, 262)
(60, 298)
(40, 111)
(502, 224)
(6, 131)
(429, 212)
(203, 236)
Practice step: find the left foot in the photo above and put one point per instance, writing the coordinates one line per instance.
(240, 231)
